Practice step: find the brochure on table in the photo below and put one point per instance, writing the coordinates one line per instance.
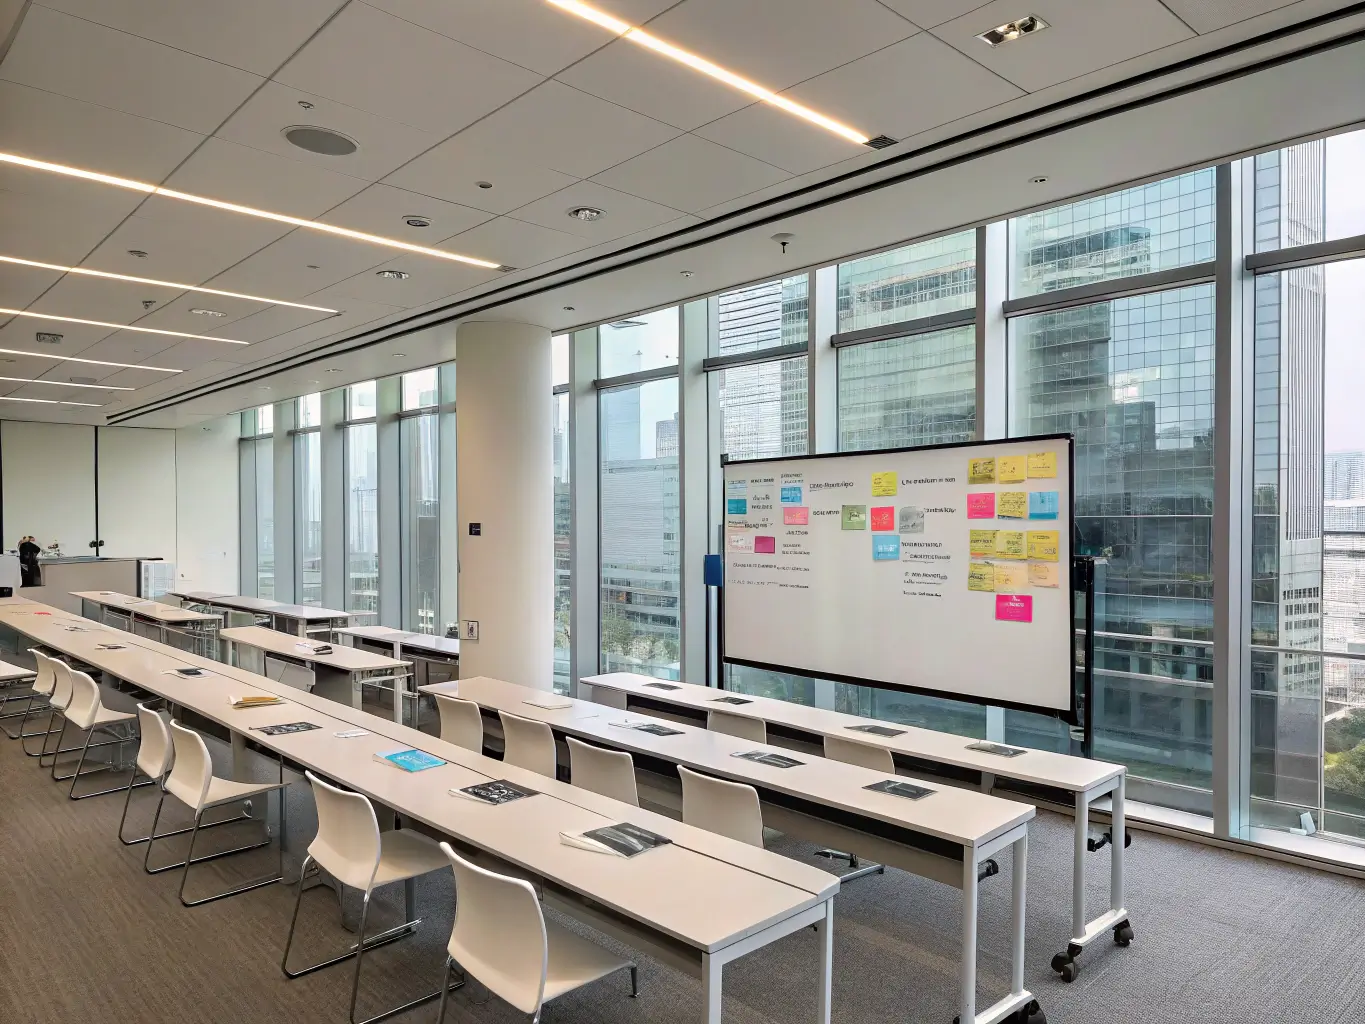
(945, 569)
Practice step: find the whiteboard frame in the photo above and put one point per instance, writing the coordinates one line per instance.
(1070, 715)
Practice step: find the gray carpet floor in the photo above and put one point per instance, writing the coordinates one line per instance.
(86, 936)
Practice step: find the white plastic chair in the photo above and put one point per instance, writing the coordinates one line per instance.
(86, 711)
(7, 696)
(528, 744)
(726, 808)
(57, 700)
(501, 937)
(44, 682)
(461, 722)
(865, 755)
(608, 772)
(753, 729)
(192, 782)
(350, 847)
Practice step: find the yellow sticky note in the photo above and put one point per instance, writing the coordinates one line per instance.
(883, 485)
(1010, 469)
(1011, 579)
(981, 576)
(981, 471)
(983, 542)
(1043, 544)
(1042, 574)
(1011, 505)
(1010, 544)
(1042, 465)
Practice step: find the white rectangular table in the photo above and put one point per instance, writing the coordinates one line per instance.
(950, 835)
(300, 619)
(699, 903)
(199, 628)
(1085, 780)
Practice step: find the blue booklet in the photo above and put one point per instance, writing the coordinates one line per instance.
(409, 760)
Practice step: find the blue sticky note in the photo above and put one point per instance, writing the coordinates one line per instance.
(1042, 504)
(791, 494)
(736, 506)
(736, 488)
(886, 547)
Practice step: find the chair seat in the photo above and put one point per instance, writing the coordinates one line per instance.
(105, 716)
(223, 791)
(406, 854)
(575, 961)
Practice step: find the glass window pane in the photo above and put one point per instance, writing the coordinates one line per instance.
(763, 316)
(258, 421)
(419, 469)
(1310, 192)
(362, 519)
(308, 512)
(559, 359)
(1132, 379)
(763, 409)
(559, 413)
(309, 411)
(360, 400)
(420, 389)
(1152, 227)
(908, 391)
(640, 527)
(265, 517)
(937, 276)
(643, 342)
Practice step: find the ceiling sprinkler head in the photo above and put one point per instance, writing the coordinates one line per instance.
(148, 303)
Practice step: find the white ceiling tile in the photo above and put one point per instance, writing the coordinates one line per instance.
(689, 173)
(144, 378)
(197, 245)
(625, 214)
(276, 320)
(452, 169)
(57, 229)
(255, 35)
(383, 144)
(929, 13)
(77, 58)
(640, 79)
(19, 333)
(252, 177)
(917, 84)
(516, 243)
(188, 354)
(29, 366)
(1082, 36)
(21, 285)
(767, 134)
(391, 67)
(429, 281)
(778, 43)
(93, 298)
(45, 126)
(282, 270)
(381, 209)
(175, 314)
(1208, 15)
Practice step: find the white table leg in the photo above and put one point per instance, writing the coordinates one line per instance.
(1078, 917)
(1119, 833)
(1019, 900)
(967, 998)
(825, 929)
(711, 984)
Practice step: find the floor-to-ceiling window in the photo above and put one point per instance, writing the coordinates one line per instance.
(563, 519)
(308, 499)
(362, 500)
(257, 429)
(420, 514)
(639, 498)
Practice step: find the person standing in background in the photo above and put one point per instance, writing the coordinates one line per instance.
(28, 562)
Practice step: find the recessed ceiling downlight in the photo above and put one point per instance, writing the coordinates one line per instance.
(587, 214)
(393, 275)
(322, 141)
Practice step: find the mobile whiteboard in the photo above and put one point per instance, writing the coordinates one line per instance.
(944, 569)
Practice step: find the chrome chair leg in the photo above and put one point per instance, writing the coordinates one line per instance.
(191, 860)
(123, 820)
(361, 946)
(153, 835)
(116, 741)
(75, 776)
(23, 737)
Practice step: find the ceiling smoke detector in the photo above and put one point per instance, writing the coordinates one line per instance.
(137, 254)
(393, 275)
(484, 184)
(1013, 30)
(1038, 179)
(322, 141)
(416, 220)
(207, 312)
(587, 214)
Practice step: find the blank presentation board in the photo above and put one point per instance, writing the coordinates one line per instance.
(943, 569)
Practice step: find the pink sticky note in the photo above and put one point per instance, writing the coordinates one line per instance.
(884, 519)
(796, 516)
(765, 545)
(1013, 608)
(981, 506)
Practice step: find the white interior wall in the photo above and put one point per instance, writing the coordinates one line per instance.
(207, 505)
(136, 488)
(47, 484)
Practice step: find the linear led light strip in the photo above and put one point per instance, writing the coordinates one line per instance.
(249, 211)
(88, 362)
(49, 401)
(64, 383)
(659, 46)
(161, 284)
(118, 327)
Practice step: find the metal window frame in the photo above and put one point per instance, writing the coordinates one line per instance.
(906, 328)
(774, 354)
(1117, 288)
(638, 377)
(1317, 253)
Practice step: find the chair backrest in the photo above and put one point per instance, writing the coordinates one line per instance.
(192, 771)
(528, 744)
(85, 700)
(347, 845)
(61, 691)
(753, 729)
(461, 722)
(499, 934)
(46, 678)
(864, 754)
(609, 772)
(726, 808)
(154, 751)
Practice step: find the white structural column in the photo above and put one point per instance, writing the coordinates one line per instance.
(503, 428)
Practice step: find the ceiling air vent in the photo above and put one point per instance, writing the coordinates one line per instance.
(621, 325)
(322, 141)
(880, 142)
(505, 269)
(46, 338)
(83, 380)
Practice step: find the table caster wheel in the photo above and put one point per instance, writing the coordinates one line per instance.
(1033, 1014)
(1068, 971)
(1059, 961)
(1123, 934)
